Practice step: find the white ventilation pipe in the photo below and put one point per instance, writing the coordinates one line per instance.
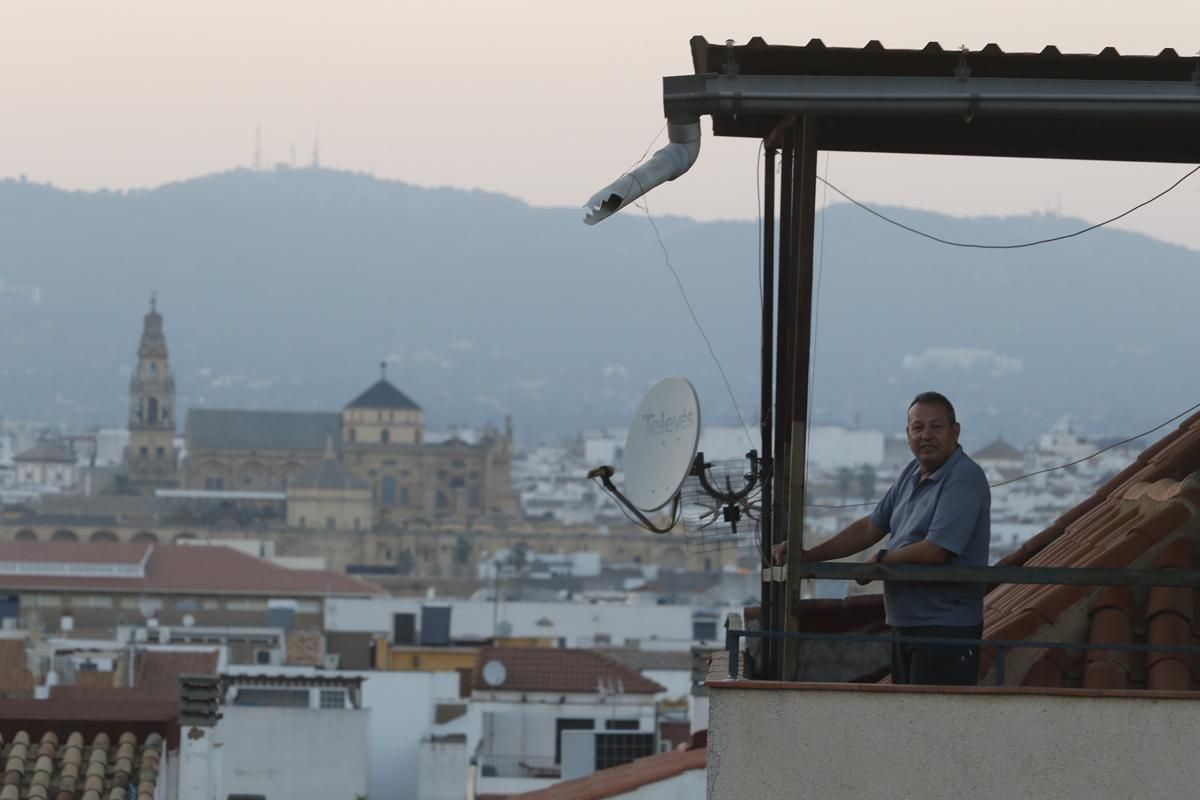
(666, 165)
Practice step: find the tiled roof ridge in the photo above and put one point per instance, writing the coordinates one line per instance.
(383, 394)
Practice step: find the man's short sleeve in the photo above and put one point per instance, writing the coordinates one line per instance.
(881, 517)
(956, 516)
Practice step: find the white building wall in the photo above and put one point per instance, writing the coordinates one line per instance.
(892, 743)
(577, 624)
(294, 753)
(401, 706)
(443, 770)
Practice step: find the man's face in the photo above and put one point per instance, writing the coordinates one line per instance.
(931, 436)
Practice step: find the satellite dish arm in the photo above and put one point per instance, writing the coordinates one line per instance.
(605, 474)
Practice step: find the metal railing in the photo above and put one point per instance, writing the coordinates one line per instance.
(1001, 646)
(991, 575)
(491, 766)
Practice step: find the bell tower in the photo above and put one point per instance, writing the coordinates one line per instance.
(151, 458)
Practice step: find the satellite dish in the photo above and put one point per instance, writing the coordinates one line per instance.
(504, 629)
(661, 444)
(188, 620)
(494, 674)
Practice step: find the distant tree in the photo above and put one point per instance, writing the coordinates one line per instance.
(844, 478)
(866, 482)
(405, 561)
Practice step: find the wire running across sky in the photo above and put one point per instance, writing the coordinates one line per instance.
(1020, 245)
(1089, 457)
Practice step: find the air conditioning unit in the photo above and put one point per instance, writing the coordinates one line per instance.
(331, 661)
(266, 656)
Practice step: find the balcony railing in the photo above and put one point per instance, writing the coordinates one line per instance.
(491, 766)
(990, 575)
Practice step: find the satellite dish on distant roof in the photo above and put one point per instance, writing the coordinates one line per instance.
(494, 674)
(661, 444)
(505, 628)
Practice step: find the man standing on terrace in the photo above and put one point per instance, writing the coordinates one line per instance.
(937, 512)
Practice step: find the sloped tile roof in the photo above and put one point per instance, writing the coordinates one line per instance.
(177, 569)
(641, 660)
(158, 671)
(1147, 516)
(384, 395)
(74, 552)
(48, 450)
(220, 429)
(623, 779)
(540, 669)
(43, 768)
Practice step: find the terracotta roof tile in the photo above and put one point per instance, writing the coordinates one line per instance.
(623, 779)
(159, 670)
(540, 669)
(78, 766)
(1148, 515)
(178, 569)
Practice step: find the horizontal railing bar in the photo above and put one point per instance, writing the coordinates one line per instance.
(956, 573)
(1000, 645)
(1036, 645)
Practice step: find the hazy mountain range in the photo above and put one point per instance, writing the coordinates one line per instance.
(284, 289)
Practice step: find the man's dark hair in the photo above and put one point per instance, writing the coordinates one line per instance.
(937, 399)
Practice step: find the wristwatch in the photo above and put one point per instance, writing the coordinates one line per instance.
(878, 559)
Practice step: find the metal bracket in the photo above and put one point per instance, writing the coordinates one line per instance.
(730, 67)
(605, 474)
(962, 71)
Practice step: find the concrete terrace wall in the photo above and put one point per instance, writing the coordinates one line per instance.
(297, 753)
(830, 741)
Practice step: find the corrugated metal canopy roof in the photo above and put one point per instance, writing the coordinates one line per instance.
(933, 100)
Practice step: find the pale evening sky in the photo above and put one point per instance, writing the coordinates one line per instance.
(546, 101)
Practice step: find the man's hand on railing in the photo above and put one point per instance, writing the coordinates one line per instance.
(779, 554)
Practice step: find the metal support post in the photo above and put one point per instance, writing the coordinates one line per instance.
(804, 191)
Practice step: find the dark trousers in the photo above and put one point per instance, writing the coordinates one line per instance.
(936, 664)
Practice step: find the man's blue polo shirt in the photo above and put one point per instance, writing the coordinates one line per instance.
(951, 508)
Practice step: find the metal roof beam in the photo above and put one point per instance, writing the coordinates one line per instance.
(769, 95)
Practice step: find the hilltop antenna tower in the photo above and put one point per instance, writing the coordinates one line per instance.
(257, 146)
(316, 153)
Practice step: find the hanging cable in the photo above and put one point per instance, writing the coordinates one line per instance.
(998, 484)
(974, 245)
(682, 293)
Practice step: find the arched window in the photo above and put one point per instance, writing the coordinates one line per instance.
(153, 369)
(152, 414)
(388, 490)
